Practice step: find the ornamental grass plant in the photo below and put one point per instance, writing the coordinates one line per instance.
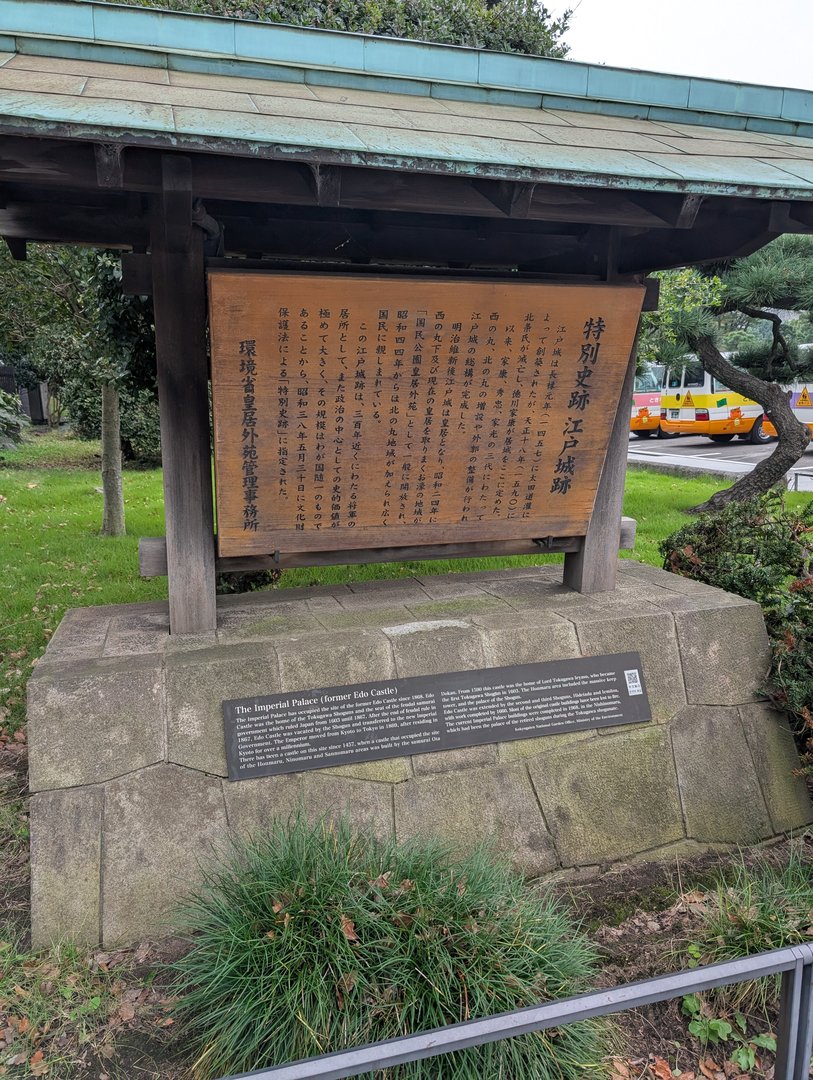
(312, 938)
(754, 909)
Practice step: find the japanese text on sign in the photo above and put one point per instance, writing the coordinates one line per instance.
(366, 412)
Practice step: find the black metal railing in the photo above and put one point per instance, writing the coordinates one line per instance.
(794, 1041)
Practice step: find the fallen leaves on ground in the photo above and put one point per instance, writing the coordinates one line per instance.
(349, 928)
(655, 1067)
(661, 1069)
(59, 1009)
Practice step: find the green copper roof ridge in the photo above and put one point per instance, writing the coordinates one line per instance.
(462, 71)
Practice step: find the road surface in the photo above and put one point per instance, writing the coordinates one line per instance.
(696, 455)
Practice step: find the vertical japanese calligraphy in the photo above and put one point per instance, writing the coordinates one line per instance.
(385, 411)
(248, 373)
(565, 468)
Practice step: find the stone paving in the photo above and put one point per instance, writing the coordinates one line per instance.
(128, 768)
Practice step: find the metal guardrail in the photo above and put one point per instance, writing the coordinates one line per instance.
(793, 477)
(794, 1040)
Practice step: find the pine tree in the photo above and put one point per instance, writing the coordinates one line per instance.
(777, 279)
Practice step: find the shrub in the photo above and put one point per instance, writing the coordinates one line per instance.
(311, 939)
(13, 420)
(758, 908)
(762, 549)
(140, 422)
(248, 581)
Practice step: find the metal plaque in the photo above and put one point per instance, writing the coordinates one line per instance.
(317, 729)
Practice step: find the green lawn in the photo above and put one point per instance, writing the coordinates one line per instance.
(52, 557)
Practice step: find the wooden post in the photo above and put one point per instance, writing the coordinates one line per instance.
(179, 299)
(594, 567)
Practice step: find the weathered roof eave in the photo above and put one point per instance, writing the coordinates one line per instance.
(153, 37)
(393, 162)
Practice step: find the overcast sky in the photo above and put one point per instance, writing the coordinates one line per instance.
(755, 41)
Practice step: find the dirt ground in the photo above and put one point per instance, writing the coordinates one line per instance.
(642, 919)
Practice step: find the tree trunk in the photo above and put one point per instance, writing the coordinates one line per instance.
(793, 435)
(54, 406)
(113, 519)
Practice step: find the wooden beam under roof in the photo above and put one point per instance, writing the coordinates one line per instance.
(89, 166)
(64, 223)
(344, 235)
(59, 191)
(727, 237)
(436, 239)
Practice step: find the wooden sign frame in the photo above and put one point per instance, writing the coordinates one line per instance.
(325, 381)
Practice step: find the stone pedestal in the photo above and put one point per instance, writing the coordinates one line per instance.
(128, 767)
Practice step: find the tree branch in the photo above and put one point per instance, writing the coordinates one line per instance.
(779, 348)
(794, 436)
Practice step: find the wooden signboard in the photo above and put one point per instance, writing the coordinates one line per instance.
(363, 412)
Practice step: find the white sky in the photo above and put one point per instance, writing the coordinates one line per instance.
(769, 42)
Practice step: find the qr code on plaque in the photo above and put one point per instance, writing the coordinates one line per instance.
(633, 678)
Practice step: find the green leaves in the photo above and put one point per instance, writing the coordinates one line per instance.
(779, 275)
(691, 1005)
(713, 1030)
(687, 301)
(762, 550)
(13, 420)
(313, 937)
(522, 26)
(64, 319)
(697, 302)
(754, 908)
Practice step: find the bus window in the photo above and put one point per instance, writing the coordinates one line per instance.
(647, 382)
(674, 380)
(718, 388)
(693, 376)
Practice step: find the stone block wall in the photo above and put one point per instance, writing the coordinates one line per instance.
(128, 766)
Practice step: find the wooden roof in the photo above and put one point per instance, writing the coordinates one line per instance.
(301, 137)
(377, 127)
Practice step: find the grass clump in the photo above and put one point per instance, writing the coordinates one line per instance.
(755, 909)
(312, 939)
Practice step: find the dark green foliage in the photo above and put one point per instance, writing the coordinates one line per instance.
(522, 26)
(12, 420)
(780, 275)
(121, 347)
(762, 549)
(757, 356)
(25, 375)
(140, 426)
(719, 301)
(313, 938)
(777, 277)
(122, 324)
(251, 581)
(65, 320)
